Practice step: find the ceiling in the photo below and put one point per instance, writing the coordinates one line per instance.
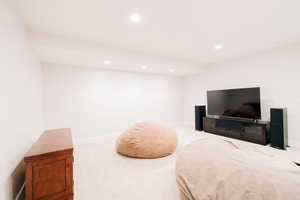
(184, 31)
(61, 50)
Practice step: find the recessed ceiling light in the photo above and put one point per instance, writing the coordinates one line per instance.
(218, 47)
(172, 70)
(144, 67)
(107, 62)
(135, 17)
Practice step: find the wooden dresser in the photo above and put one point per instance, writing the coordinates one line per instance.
(49, 167)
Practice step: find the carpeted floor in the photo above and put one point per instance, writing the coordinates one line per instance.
(100, 173)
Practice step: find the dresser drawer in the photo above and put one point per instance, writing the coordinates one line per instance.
(49, 174)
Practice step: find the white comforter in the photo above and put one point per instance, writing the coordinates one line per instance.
(215, 169)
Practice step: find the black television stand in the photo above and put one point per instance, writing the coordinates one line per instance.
(248, 130)
(236, 119)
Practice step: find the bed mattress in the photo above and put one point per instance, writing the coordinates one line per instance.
(217, 169)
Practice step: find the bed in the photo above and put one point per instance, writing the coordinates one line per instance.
(220, 169)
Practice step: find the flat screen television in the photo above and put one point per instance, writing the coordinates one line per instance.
(238, 103)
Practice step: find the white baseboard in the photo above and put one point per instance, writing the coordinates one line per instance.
(89, 140)
(94, 139)
(294, 143)
(21, 193)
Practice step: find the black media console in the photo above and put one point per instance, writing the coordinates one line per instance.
(251, 131)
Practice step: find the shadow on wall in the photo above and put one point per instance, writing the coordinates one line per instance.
(15, 182)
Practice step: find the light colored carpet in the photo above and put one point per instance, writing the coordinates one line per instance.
(101, 173)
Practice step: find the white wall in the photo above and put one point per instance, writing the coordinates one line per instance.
(277, 72)
(94, 102)
(20, 100)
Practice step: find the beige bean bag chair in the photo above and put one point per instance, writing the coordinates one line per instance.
(147, 140)
(211, 169)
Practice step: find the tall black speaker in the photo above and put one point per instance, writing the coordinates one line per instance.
(278, 128)
(200, 112)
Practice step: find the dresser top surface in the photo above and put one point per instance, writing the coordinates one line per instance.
(51, 141)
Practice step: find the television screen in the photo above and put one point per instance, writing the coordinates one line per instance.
(241, 103)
